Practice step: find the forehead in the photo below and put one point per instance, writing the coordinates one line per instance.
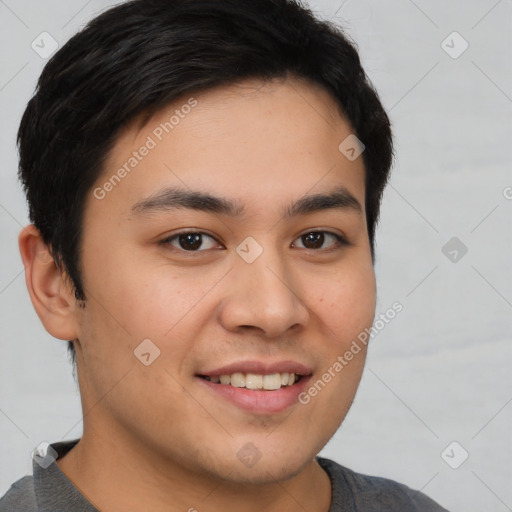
(258, 141)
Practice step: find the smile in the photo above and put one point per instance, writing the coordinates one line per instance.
(254, 381)
(256, 386)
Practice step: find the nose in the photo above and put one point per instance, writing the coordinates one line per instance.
(263, 295)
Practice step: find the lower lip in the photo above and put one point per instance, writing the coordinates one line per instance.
(259, 402)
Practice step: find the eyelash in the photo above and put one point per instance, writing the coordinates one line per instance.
(340, 240)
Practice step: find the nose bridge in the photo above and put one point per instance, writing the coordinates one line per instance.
(262, 291)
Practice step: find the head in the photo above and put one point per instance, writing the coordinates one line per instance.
(216, 118)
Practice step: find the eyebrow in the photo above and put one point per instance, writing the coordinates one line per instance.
(176, 198)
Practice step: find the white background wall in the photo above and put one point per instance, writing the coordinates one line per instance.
(440, 371)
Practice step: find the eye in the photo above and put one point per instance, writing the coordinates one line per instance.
(315, 239)
(193, 241)
(189, 241)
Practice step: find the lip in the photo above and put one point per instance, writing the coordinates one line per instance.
(258, 402)
(260, 368)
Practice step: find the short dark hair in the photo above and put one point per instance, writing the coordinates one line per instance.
(137, 57)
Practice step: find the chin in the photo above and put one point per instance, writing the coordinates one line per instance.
(268, 472)
(251, 465)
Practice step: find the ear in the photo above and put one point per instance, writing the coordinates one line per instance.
(50, 290)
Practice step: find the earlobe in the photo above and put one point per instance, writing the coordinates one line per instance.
(50, 291)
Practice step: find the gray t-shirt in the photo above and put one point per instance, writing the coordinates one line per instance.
(49, 490)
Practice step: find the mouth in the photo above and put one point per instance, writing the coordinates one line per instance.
(255, 381)
(258, 387)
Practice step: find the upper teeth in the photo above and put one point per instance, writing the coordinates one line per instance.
(254, 381)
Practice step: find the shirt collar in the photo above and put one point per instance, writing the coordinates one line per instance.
(52, 487)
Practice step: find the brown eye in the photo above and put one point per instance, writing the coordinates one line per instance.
(313, 240)
(316, 239)
(190, 241)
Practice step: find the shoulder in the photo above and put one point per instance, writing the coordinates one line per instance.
(20, 497)
(367, 492)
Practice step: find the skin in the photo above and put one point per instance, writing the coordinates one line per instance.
(165, 441)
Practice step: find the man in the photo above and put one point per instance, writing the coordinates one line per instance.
(204, 180)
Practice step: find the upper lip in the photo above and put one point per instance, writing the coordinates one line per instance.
(259, 368)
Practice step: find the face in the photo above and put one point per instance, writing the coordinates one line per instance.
(247, 284)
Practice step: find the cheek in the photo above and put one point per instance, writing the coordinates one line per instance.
(345, 307)
(346, 303)
(135, 301)
(167, 302)
(127, 292)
